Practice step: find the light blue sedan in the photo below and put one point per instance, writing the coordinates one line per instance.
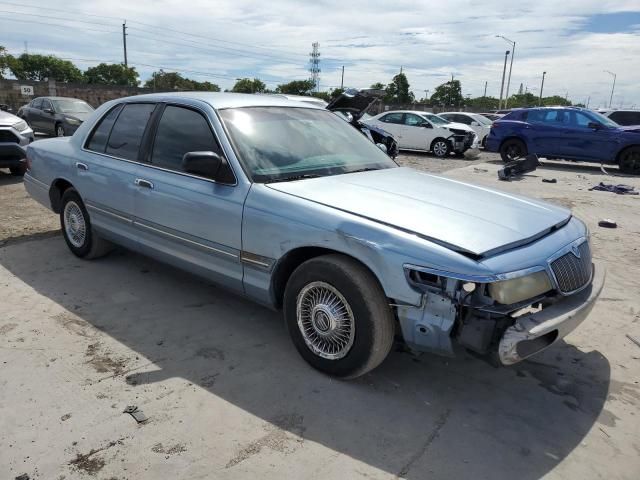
(288, 205)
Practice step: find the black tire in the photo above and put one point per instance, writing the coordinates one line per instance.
(59, 130)
(629, 161)
(440, 147)
(513, 149)
(18, 171)
(484, 142)
(89, 245)
(373, 321)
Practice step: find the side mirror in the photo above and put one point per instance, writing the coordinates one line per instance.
(48, 110)
(595, 125)
(206, 164)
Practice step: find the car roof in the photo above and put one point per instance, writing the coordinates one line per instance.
(221, 100)
(60, 98)
(418, 112)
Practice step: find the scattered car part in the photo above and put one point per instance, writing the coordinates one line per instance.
(518, 167)
(136, 413)
(633, 339)
(607, 223)
(620, 189)
(549, 180)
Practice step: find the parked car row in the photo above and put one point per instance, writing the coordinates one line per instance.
(288, 205)
(59, 116)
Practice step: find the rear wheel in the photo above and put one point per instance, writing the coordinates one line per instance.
(338, 316)
(629, 161)
(440, 147)
(76, 228)
(513, 149)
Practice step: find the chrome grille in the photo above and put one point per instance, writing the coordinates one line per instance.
(573, 272)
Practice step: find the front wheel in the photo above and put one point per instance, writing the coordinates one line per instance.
(630, 161)
(440, 147)
(76, 228)
(512, 150)
(338, 316)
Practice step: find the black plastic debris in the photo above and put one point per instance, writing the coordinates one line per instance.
(607, 223)
(549, 180)
(620, 189)
(24, 476)
(136, 413)
(518, 167)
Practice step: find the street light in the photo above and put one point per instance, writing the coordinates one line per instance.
(504, 69)
(513, 53)
(613, 87)
(541, 87)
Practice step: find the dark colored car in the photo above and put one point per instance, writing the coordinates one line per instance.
(622, 117)
(352, 106)
(566, 132)
(59, 116)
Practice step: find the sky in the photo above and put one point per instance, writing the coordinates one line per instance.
(575, 41)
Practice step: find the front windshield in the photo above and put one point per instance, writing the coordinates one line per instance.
(604, 120)
(72, 106)
(435, 119)
(285, 143)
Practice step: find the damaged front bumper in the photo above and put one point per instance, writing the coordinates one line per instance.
(532, 333)
(460, 142)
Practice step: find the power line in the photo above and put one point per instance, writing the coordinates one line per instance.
(56, 18)
(58, 25)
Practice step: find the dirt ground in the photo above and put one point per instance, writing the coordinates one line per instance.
(227, 396)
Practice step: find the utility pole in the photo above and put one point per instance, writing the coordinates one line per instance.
(400, 69)
(504, 71)
(613, 87)
(513, 53)
(588, 100)
(485, 88)
(541, 87)
(342, 79)
(124, 42)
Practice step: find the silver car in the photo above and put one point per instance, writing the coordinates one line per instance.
(15, 135)
(288, 205)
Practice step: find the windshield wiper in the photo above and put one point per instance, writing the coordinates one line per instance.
(368, 169)
(294, 177)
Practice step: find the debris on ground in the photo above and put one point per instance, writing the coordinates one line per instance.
(633, 339)
(607, 223)
(24, 476)
(549, 180)
(518, 167)
(136, 413)
(480, 170)
(620, 189)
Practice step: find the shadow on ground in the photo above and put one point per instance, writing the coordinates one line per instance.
(412, 417)
(7, 179)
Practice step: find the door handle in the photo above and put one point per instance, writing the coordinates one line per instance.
(82, 166)
(141, 182)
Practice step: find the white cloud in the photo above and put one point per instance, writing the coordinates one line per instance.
(371, 38)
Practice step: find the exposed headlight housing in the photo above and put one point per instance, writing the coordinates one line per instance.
(73, 121)
(21, 126)
(516, 290)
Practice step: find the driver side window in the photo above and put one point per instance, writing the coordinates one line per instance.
(579, 119)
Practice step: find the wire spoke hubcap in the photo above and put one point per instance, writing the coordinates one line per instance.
(325, 320)
(74, 224)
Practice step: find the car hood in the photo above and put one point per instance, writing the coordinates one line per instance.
(355, 101)
(470, 219)
(630, 128)
(82, 116)
(7, 118)
(459, 126)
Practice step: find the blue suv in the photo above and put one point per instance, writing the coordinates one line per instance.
(566, 132)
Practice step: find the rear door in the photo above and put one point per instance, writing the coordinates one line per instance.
(547, 132)
(33, 113)
(189, 220)
(47, 117)
(106, 174)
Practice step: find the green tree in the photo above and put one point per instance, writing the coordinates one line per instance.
(523, 100)
(555, 100)
(449, 93)
(336, 92)
(166, 81)
(323, 95)
(378, 86)
(4, 61)
(296, 87)
(483, 103)
(398, 91)
(112, 74)
(246, 85)
(41, 67)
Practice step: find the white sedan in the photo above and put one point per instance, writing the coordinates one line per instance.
(480, 124)
(426, 132)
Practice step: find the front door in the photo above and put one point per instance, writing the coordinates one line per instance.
(188, 220)
(416, 132)
(586, 142)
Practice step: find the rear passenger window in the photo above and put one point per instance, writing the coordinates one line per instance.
(98, 140)
(126, 135)
(181, 130)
